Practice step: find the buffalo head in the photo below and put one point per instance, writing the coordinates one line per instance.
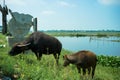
(66, 61)
(18, 48)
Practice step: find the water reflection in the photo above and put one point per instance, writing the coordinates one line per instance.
(101, 46)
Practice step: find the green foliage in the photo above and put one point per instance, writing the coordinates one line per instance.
(27, 67)
(112, 61)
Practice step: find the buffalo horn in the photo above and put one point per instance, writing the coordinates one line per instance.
(23, 45)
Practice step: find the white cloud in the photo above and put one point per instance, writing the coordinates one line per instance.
(65, 4)
(16, 2)
(48, 12)
(109, 2)
(27, 3)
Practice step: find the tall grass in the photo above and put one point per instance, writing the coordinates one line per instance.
(27, 67)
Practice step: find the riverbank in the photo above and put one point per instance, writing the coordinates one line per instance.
(83, 33)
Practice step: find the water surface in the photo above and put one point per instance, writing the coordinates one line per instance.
(101, 46)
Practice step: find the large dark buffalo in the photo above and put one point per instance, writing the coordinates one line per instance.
(82, 59)
(40, 43)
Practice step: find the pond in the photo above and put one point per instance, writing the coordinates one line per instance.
(101, 46)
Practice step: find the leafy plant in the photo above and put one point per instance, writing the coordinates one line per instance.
(112, 61)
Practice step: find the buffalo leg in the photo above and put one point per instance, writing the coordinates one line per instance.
(56, 58)
(39, 56)
(79, 69)
(89, 70)
(93, 70)
(84, 71)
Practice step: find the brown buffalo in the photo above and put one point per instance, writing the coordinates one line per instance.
(82, 59)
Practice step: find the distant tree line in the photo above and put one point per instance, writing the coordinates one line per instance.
(80, 30)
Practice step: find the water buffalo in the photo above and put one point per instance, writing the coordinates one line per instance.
(40, 43)
(82, 59)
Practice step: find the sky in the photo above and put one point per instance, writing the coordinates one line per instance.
(69, 14)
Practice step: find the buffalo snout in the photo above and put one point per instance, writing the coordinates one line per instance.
(10, 53)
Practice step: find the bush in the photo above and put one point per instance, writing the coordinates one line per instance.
(112, 61)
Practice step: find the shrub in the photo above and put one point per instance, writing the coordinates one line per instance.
(112, 61)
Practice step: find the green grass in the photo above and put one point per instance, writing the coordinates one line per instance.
(27, 67)
(2, 39)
